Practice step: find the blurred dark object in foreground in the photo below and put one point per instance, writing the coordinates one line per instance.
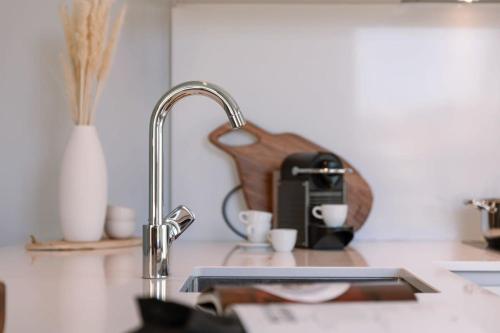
(158, 316)
(2, 307)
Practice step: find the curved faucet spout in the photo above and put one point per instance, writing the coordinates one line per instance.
(158, 117)
(156, 236)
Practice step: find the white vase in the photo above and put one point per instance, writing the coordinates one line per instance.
(83, 193)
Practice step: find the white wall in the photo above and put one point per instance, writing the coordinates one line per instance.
(35, 121)
(408, 93)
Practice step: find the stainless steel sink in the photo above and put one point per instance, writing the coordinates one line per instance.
(206, 277)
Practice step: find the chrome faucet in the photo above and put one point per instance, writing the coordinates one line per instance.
(161, 231)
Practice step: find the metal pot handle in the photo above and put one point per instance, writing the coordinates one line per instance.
(490, 207)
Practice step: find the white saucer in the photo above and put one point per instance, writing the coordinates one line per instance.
(249, 245)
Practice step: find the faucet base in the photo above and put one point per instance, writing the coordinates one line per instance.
(155, 246)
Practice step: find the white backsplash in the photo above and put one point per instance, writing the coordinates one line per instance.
(410, 94)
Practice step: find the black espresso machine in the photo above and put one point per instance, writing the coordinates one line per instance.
(307, 180)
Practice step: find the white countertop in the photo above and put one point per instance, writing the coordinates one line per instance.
(95, 291)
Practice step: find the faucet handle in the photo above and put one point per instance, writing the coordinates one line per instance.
(178, 220)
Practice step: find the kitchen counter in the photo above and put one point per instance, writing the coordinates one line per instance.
(95, 291)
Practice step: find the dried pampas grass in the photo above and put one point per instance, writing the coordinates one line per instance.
(90, 50)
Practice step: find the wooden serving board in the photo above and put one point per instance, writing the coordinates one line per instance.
(62, 245)
(256, 162)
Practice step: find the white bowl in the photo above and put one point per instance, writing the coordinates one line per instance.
(120, 228)
(119, 213)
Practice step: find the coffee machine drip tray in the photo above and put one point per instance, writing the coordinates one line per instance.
(322, 237)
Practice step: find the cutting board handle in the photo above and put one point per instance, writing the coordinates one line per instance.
(222, 130)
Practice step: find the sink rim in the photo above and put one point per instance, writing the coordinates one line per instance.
(309, 271)
(368, 272)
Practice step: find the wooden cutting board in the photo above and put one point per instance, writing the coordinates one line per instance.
(256, 162)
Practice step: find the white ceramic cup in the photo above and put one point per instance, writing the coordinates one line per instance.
(332, 215)
(283, 240)
(119, 229)
(120, 222)
(119, 213)
(258, 224)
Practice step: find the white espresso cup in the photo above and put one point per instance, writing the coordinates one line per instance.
(332, 215)
(258, 224)
(283, 240)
